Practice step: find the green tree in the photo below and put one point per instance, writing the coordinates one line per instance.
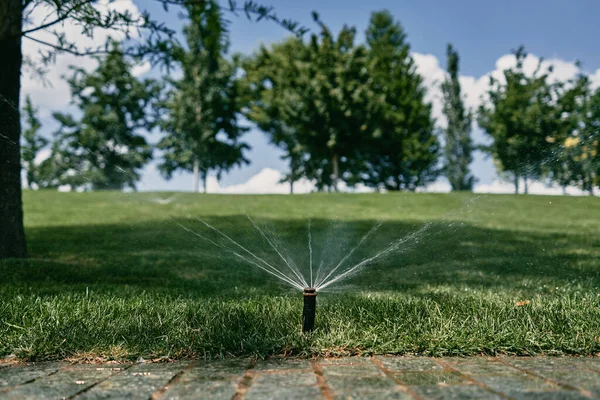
(15, 26)
(562, 166)
(518, 117)
(275, 79)
(579, 144)
(104, 148)
(335, 103)
(32, 144)
(202, 125)
(402, 150)
(458, 146)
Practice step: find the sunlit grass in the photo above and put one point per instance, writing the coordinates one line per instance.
(114, 275)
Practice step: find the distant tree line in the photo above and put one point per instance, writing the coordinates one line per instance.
(341, 112)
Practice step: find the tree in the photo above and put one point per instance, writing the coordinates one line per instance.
(15, 26)
(458, 146)
(274, 82)
(202, 113)
(402, 149)
(578, 142)
(104, 149)
(562, 166)
(590, 143)
(32, 144)
(335, 100)
(518, 117)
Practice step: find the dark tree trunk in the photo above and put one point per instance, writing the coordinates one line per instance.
(204, 178)
(336, 171)
(525, 186)
(12, 235)
(516, 183)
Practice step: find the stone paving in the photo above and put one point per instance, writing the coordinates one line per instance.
(379, 377)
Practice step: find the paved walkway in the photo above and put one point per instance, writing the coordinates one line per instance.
(378, 377)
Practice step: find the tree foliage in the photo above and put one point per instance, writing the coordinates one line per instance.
(104, 148)
(16, 24)
(576, 155)
(518, 117)
(336, 97)
(202, 124)
(458, 146)
(33, 142)
(347, 112)
(402, 147)
(274, 81)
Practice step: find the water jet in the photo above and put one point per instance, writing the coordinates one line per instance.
(308, 312)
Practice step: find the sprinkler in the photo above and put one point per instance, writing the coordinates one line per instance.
(308, 312)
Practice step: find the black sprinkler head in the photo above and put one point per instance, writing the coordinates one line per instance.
(308, 312)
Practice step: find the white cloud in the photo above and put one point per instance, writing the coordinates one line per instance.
(474, 88)
(141, 69)
(41, 156)
(53, 93)
(266, 181)
(535, 187)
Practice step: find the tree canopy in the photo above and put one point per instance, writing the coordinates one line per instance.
(104, 148)
(203, 108)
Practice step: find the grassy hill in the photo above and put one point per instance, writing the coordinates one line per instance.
(116, 275)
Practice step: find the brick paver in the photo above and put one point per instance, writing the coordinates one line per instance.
(379, 377)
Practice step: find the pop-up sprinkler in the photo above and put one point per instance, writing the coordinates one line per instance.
(308, 312)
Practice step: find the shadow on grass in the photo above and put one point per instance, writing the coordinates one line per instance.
(162, 256)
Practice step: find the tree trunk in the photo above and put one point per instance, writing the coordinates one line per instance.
(525, 186)
(196, 177)
(516, 183)
(336, 171)
(12, 234)
(204, 179)
(292, 175)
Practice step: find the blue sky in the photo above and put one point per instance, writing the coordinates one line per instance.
(482, 32)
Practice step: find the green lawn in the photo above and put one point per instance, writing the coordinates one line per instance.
(113, 275)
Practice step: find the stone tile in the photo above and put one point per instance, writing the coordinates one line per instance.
(287, 385)
(65, 383)
(395, 394)
(586, 362)
(580, 379)
(455, 392)
(272, 381)
(308, 392)
(429, 378)
(480, 366)
(209, 379)
(139, 381)
(277, 364)
(541, 363)
(14, 375)
(357, 380)
(221, 368)
(409, 363)
(205, 389)
(554, 395)
(515, 383)
(346, 361)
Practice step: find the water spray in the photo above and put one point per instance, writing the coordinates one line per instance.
(308, 312)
